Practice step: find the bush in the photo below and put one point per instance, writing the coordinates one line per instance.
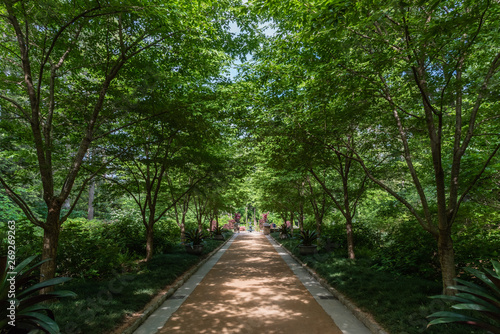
(475, 244)
(9, 210)
(409, 250)
(95, 248)
(128, 232)
(85, 249)
(166, 236)
(366, 238)
(28, 239)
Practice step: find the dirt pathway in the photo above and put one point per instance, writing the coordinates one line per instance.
(250, 290)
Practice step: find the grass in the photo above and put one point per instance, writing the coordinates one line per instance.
(102, 305)
(399, 303)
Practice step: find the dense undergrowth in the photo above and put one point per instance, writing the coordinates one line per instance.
(103, 304)
(105, 260)
(390, 279)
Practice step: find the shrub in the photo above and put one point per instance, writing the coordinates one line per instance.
(366, 238)
(476, 243)
(194, 237)
(284, 231)
(408, 250)
(9, 210)
(28, 239)
(128, 232)
(85, 249)
(308, 237)
(166, 236)
(217, 230)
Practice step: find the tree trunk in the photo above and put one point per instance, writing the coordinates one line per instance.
(50, 242)
(149, 242)
(301, 218)
(183, 231)
(447, 260)
(90, 214)
(350, 238)
(318, 226)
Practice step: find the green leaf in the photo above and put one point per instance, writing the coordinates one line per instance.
(44, 284)
(26, 302)
(42, 320)
(476, 307)
(483, 278)
(448, 314)
(472, 289)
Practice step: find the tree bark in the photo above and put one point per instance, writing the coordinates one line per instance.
(149, 243)
(183, 231)
(318, 226)
(350, 238)
(51, 230)
(90, 214)
(301, 217)
(447, 260)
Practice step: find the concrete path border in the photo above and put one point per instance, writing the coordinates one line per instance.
(365, 318)
(345, 320)
(209, 261)
(250, 290)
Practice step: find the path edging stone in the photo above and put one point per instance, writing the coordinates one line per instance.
(364, 317)
(183, 278)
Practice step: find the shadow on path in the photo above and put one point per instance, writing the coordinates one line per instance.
(250, 290)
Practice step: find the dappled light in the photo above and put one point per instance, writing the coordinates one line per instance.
(250, 290)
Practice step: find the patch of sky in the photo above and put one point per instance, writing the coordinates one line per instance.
(269, 31)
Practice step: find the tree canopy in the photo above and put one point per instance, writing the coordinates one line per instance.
(349, 108)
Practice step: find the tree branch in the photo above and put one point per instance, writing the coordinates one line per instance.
(337, 204)
(17, 105)
(180, 197)
(21, 203)
(476, 178)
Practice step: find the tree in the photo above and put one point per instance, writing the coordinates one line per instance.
(347, 194)
(167, 147)
(422, 73)
(285, 191)
(60, 65)
(298, 133)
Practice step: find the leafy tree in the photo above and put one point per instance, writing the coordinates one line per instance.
(61, 61)
(171, 145)
(423, 76)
